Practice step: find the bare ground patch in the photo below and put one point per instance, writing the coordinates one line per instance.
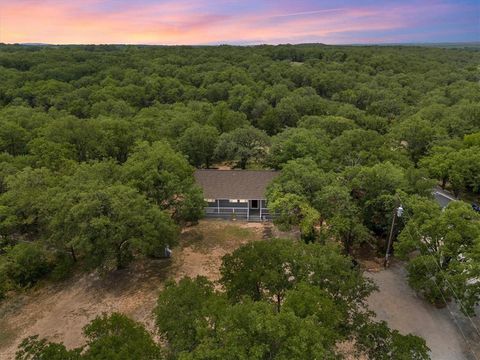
(60, 311)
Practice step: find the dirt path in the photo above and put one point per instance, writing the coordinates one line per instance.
(402, 309)
(60, 311)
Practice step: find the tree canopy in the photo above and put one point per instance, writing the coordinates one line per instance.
(98, 147)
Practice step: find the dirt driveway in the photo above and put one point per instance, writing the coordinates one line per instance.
(402, 309)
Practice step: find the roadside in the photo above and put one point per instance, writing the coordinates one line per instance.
(404, 310)
(443, 197)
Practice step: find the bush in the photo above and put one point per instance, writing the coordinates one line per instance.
(63, 267)
(25, 263)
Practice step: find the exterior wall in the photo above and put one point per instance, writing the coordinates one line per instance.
(224, 209)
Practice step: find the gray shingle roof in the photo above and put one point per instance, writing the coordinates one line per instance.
(234, 184)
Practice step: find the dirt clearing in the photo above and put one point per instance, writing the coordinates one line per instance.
(60, 311)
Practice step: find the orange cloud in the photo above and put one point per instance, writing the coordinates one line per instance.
(186, 22)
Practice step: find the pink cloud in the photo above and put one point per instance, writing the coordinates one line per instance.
(193, 22)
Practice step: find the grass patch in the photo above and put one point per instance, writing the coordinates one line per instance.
(210, 234)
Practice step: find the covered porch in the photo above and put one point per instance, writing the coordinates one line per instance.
(250, 210)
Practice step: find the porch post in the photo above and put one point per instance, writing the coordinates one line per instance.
(218, 206)
(260, 210)
(248, 210)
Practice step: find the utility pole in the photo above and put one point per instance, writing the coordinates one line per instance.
(396, 213)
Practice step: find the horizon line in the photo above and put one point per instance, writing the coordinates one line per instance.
(36, 43)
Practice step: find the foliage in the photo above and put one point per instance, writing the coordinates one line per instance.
(380, 342)
(113, 336)
(265, 270)
(448, 243)
(298, 143)
(23, 264)
(319, 301)
(98, 144)
(108, 226)
(166, 178)
(183, 309)
(198, 143)
(287, 300)
(242, 144)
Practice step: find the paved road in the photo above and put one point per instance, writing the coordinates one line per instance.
(402, 309)
(443, 197)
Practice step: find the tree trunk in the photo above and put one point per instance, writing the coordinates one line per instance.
(279, 302)
(444, 183)
(120, 256)
(72, 252)
(259, 292)
(243, 163)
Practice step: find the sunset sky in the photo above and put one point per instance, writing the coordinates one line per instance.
(237, 21)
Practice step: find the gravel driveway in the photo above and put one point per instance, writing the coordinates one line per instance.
(398, 304)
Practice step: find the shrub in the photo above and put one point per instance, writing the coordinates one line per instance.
(25, 264)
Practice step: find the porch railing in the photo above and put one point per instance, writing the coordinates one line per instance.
(238, 212)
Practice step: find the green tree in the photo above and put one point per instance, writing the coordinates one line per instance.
(297, 143)
(374, 190)
(417, 136)
(26, 201)
(187, 311)
(51, 155)
(109, 225)
(13, 138)
(113, 336)
(291, 196)
(118, 137)
(266, 270)
(287, 300)
(358, 147)
(292, 210)
(448, 243)
(333, 125)
(226, 120)
(464, 174)
(166, 178)
(302, 177)
(198, 143)
(33, 348)
(378, 341)
(242, 145)
(252, 330)
(438, 163)
(25, 263)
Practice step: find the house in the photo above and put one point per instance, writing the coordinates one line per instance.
(236, 194)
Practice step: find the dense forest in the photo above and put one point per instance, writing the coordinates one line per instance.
(98, 145)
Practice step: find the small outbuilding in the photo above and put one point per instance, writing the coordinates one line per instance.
(236, 194)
